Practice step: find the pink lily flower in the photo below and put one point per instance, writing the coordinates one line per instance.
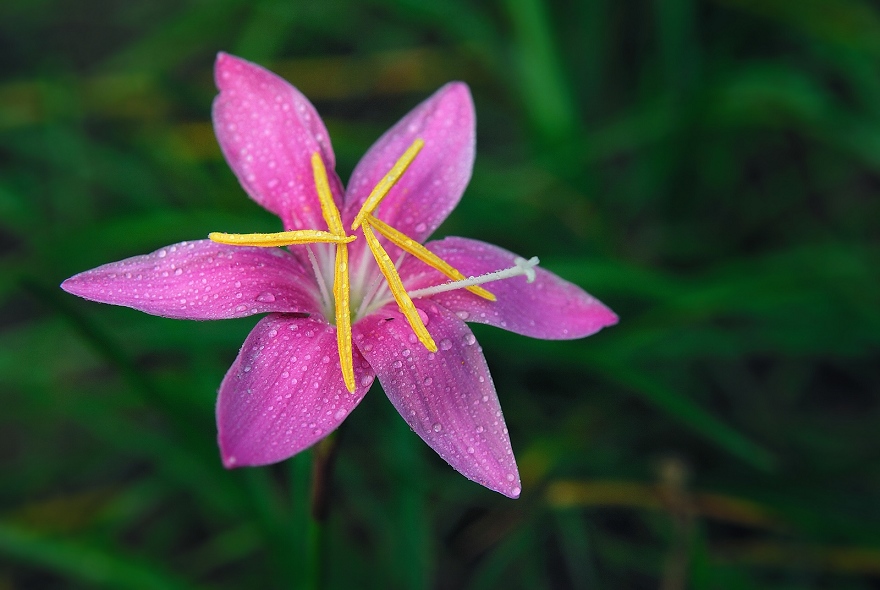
(355, 294)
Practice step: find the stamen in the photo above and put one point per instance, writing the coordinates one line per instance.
(522, 267)
(387, 182)
(341, 281)
(343, 316)
(328, 206)
(411, 246)
(284, 238)
(398, 291)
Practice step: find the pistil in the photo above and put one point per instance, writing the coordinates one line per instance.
(521, 267)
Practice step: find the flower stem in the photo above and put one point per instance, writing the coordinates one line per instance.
(311, 474)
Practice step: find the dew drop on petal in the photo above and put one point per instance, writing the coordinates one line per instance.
(266, 297)
(462, 315)
(437, 427)
(469, 339)
(445, 344)
(428, 381)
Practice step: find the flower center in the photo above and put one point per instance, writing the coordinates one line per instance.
(372, 296)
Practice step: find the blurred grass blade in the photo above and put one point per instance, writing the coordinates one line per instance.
(89, 563)
(689, 414)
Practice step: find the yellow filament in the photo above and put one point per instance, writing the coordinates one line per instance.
(284, 238)
(411, 246)
(397, 289)
(328, 206)
(343, 316)
(387, 182)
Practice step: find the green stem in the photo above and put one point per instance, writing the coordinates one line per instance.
(310, 493)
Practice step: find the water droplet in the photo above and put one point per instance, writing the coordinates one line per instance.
(479, 429)
(285, 374)
(178, 272)
(510, 477)
(428, 381)
(445, 344)
(397, 364)
(237, 284)
(437, 427)
(266, 297)
(366, 380)
(423, 316)
(463, 314)
(163, 253)
(515, 491)
(470, 450)
(340, 413)
(241, 308)
(405, 352)
(421, 227)
(469, 339)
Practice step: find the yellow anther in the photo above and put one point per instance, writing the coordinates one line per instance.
(328, 206)
(387, 182)
(397, 289)
(411, 246)
(343, 316)
(341, 295)
(284, 238)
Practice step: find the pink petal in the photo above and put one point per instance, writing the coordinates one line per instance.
(432, 186)
(550, 308)
(446, 397)
(268, 132)
(284, 392)
(202, 280)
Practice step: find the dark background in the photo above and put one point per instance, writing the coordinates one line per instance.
(710, 170)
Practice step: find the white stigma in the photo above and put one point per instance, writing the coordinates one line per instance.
(521, 267)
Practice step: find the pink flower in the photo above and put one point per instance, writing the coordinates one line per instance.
(341, 312)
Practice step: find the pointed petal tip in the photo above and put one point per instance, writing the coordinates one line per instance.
(609, 318)
(68, 285)
(509, 486)
(228, 67)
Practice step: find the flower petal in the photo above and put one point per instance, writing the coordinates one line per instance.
(284, 392)
(202, 280)
(550, 308)
(446, 397)
(268, 132)
(432, 186)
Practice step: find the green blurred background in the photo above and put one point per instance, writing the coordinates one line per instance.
(709, 169)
